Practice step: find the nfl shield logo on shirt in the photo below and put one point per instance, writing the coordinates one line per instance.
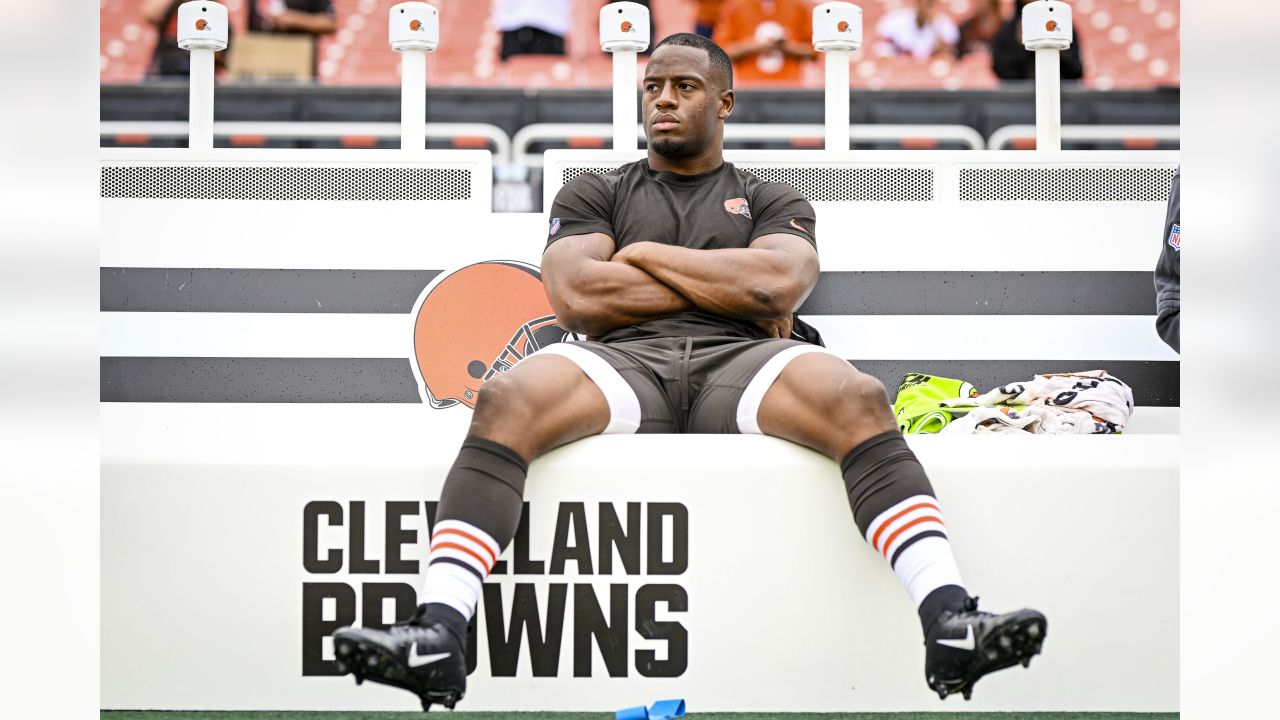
(555, 226)
(1175, 238)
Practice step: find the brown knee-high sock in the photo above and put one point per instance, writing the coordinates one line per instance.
(895, 508)
(479, 509)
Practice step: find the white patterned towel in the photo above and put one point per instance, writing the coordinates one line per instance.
(1082, 403)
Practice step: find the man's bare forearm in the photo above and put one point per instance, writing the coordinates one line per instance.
(746, 283)
(603, 296)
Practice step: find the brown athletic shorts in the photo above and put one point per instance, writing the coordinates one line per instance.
(683, 384)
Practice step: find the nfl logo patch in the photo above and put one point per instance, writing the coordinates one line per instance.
(1175, 238)
(555, 226)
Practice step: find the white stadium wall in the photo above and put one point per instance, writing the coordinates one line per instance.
(269, 467)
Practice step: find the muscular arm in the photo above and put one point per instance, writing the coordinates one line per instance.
(765, 281)
(592, 295)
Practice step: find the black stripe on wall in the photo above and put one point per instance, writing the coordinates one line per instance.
(274, 291)
(390, 380)
(837, 293)
(257, 380)
(982, 293)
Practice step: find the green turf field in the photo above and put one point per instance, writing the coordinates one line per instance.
(269, 715)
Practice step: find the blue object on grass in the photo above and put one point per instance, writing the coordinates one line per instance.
(664, 709)
(632, 713)
(661, 710)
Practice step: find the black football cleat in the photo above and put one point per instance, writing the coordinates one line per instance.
(963, 646)
(425, 659)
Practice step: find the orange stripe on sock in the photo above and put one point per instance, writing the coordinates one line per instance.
(875, 540)
(888, 543)
(464, 534)
(455, 546)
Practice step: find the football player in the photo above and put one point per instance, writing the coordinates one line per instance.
(685, 274)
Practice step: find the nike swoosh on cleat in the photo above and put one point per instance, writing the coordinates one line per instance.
(966, 644)
(420, 660)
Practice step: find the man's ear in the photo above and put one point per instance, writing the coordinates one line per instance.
(726, 104)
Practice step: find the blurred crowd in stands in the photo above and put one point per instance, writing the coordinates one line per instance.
(950, 44)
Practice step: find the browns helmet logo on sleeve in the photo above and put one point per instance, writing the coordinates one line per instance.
(476, 322)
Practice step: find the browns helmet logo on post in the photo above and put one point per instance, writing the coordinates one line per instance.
(477, 322)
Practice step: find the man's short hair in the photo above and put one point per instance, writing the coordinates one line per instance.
(718, 58)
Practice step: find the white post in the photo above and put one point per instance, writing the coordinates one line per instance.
(413, 30)
(624, 31)
(837, 31)
(1048, 101)
(1046, 31)
(413, 100)
(837, 100)
(625, 106)
(202, 30)
(200, 104)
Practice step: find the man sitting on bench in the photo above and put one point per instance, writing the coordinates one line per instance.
(685, 272)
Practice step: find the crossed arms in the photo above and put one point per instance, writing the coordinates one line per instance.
(594, 289)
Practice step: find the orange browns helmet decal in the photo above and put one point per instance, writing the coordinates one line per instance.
(476, 322)
(415, 24)
(1051, 26)
(627, 26)
(201, 24)
(842, 27)
(737, 206)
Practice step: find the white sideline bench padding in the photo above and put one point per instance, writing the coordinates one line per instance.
(202, 509)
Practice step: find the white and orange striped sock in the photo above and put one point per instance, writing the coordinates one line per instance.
(912, 536)
(462, 556)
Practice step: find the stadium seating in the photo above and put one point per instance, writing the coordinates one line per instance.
(1126, 44)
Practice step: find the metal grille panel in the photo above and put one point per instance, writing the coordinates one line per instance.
(1065, 184)
(284, 182)
(829, 184)
(570, 173)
